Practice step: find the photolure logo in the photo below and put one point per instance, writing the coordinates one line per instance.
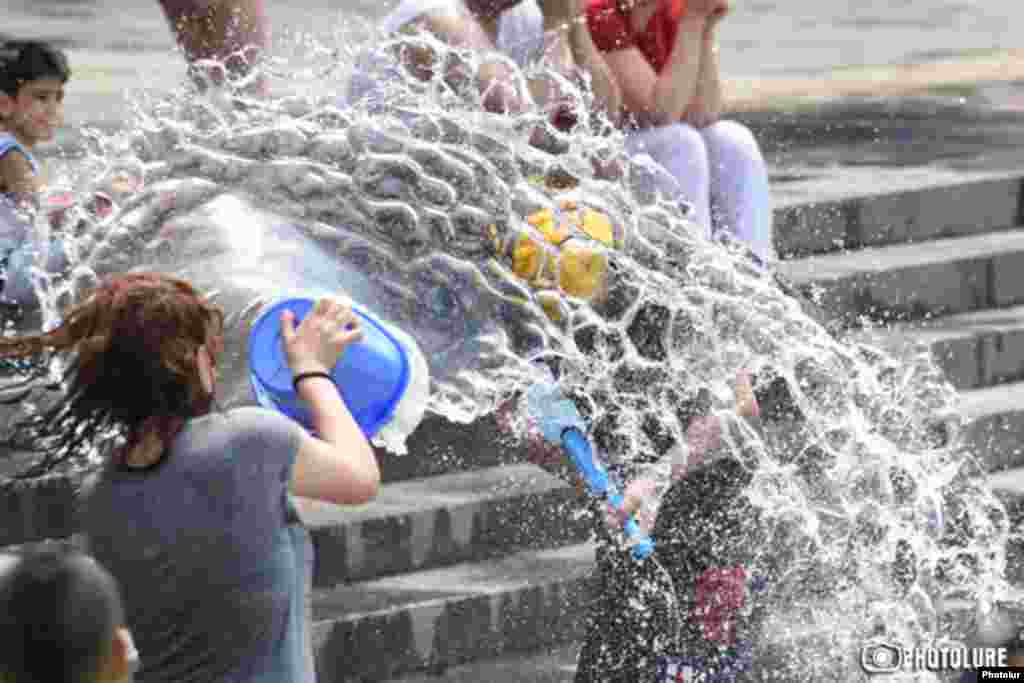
(881, 656)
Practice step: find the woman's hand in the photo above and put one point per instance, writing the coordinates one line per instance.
(321, 337)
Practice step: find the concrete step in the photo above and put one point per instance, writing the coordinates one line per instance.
(439, 446)
(550, 665)
(443, 520)
(915, 281)
(473, 622)
(427, 621)
(919, 211)
(995, 431)
(976, 349)
(1008, 485)
(461, 516)
(446, 519)
(413, 525)
(32, 510)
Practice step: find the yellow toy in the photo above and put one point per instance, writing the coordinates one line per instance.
(572, 259)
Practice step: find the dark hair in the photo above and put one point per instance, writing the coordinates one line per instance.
(58, 613)
(133, 370)
(22, 61)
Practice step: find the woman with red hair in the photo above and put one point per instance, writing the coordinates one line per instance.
(191, 510)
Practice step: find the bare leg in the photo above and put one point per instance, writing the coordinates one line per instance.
(233, 32)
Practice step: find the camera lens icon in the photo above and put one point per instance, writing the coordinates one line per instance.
(881, 658)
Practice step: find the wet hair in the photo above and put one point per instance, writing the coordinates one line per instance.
(132, 370)
(59, 610)
(22, 61)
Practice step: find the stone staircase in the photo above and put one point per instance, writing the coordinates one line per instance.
(473, 566)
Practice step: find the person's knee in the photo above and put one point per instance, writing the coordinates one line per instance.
(677, 138)
(733, 136)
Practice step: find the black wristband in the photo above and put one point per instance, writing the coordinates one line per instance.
(306, 375)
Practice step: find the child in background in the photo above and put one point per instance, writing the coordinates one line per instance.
(32, 78)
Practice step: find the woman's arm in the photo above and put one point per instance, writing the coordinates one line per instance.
(339, 466)
(606, 89)
(570, 49)
(662, 98)
(706, 107)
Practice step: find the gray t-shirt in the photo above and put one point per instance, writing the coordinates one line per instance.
(211, 557)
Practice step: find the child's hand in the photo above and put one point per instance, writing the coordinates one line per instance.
(636, 492)
(746, 401)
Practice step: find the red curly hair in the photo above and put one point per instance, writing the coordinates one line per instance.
(135, 343)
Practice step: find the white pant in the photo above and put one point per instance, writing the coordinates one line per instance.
(719, 170)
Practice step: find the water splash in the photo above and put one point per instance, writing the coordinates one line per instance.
(401, 206)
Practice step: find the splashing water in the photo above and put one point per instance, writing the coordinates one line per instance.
(401, 207)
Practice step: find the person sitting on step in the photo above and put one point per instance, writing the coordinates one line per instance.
(664, 57)
(524, 30)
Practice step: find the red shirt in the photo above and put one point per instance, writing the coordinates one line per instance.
(610, 29)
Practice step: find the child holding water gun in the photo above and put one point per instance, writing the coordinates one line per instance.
(706, 536)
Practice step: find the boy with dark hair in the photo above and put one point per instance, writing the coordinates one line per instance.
(32, 78)
(61, 620)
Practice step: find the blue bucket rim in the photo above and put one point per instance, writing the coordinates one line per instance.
(266, 398)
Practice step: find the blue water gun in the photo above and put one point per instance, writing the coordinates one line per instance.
(561, 424)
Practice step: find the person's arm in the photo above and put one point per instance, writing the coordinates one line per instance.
(659, 99)
(221, 30)
(17, 175)
(339, 466)
(570, 49)
(606, 89)
(706, 107)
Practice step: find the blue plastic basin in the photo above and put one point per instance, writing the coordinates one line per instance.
(372, 374)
